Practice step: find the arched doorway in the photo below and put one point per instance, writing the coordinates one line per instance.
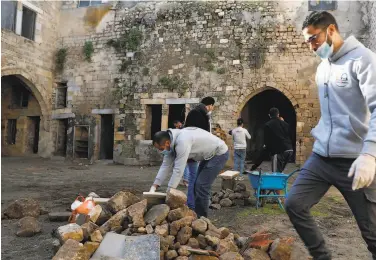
(20, 117)
(255, 115)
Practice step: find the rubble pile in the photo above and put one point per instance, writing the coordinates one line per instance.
(228, 197)
(127, 227)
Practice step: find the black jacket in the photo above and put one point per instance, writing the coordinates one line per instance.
(277, 136)
(198, 117)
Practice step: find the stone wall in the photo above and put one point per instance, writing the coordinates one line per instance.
(369, 9)
(178, 52)
(33, 62)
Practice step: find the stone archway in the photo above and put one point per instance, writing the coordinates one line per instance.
(31, 122)
(34, 88)
(254, 110)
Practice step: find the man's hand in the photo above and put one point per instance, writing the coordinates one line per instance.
(153, 188)
(363, 169)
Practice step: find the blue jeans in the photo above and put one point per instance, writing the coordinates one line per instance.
(316, 177)
(206, 175)
(191, 170)
(239, 159)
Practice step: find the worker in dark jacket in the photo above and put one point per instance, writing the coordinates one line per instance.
(277, 142)
(197, 117)
(200, 115)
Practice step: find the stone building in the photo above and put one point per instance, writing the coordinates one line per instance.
(104, 76)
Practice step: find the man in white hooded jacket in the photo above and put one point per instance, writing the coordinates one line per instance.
(179, 145)
(345, 138)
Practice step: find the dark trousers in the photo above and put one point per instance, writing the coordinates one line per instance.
(279, 161)
(316, 177)
(206, 175)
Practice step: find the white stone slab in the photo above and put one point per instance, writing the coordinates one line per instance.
(229, 175)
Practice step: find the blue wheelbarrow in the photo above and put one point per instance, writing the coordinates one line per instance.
(267, 184)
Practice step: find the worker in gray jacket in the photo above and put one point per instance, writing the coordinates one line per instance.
(179, 145)
(344, 151)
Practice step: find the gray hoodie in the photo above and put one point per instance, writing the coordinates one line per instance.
(188, 143)
(347, 93)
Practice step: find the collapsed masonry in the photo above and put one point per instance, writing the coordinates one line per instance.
(126, 227)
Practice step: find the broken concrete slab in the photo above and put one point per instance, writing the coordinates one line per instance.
(129, 247)
(228, 175)
(142, 247)
(112, 245)
(101, 201)
(59, 216)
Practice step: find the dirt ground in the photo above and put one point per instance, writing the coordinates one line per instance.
(56, 182)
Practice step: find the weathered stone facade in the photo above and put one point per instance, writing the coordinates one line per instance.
(152, 55)
(32, 62)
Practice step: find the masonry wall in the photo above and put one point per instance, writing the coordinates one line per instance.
(369, 18)
(176, 53)
(33, 61)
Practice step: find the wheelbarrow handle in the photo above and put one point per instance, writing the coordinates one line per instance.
(297, 170)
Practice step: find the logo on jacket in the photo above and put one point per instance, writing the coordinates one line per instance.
(342, 79)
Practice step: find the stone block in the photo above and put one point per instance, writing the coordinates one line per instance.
(59, 216)
(112, 245)
(72, 250)
(70, 231)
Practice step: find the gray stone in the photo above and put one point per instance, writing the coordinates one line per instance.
(122, 200)
(93, 195)
(104, 216)
(115, 221)
(176, 198)
(178, 213)
(245, 194)
(72, 250)
(55, 245)
(183, 251)
(184, 235)
(240, 187)
(231, 256)
(136, 212)
(157, 214)
(161, 230)
(255, 254)
(193, 242)
(59, 216)
(149, 229)
(28, 227)
(70, 231)
(199, 226)
(215, 206)
(23, 208)
(226, 202)
(202, 241)
(171, 254)
(88, 229)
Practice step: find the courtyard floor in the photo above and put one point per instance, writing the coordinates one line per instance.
(56, 182)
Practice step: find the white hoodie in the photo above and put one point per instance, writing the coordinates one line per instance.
(188, 143)
(347, 93)
(240, 135)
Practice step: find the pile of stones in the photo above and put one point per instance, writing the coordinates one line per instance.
(228, 197)
(174, 229)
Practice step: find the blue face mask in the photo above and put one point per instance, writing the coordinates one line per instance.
(325, 51)
(165, 152)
